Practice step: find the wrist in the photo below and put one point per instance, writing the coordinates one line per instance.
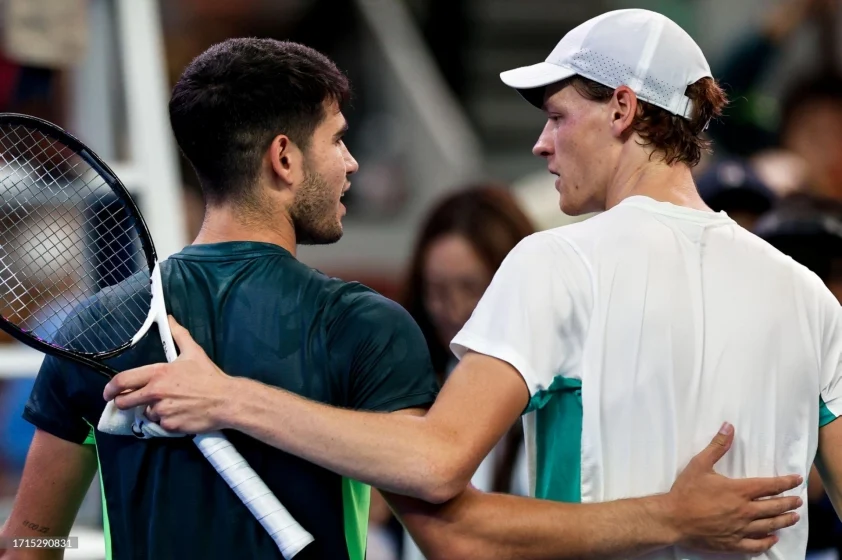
(231, 412)
(663, 513)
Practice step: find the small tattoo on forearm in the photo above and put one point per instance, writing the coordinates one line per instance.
(36, 527)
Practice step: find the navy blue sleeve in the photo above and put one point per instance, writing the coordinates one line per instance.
(381, 350)
(54, 405)
(67, 396)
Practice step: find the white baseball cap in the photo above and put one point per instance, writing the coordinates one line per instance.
(643, 50)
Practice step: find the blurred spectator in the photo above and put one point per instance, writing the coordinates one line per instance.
(811, 126)
(808, 121)
(461, 244)
(780, 170)
(733, 187)
(752, 122)
(809, 229)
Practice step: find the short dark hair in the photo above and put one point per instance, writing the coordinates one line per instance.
(677, 139)
(236, 97)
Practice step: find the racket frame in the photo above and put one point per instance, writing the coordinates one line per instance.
(89, 359)
(295, 536)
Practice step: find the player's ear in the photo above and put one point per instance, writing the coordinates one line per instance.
(285, 160)
(623, 107)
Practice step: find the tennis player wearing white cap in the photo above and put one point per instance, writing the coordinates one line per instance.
(628, 339)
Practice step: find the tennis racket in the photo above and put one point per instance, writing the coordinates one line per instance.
(79, 279)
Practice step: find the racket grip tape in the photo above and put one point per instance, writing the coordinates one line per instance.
(290, 537)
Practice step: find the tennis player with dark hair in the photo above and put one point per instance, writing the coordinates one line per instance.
(558, 333)
(261, 122)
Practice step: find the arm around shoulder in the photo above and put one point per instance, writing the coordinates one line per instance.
(703, 511)
(431, 457)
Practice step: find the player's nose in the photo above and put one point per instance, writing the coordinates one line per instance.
(351, 165)
(543, 146)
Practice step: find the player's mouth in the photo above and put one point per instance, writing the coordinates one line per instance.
(341, 195)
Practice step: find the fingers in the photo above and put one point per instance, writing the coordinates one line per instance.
(763, 487)
(135, 398)
(763, 509)
(764, 527)
(182, 336)
(718, 446)
(129, 380)
(151, 415)
(756, 546)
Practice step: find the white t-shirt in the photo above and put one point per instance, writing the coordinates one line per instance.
(641, 330)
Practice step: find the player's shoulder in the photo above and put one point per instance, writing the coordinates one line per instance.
(548, 247)
(362, 302)
(547, 256)
(620, 223)
(136, 286)
(122, 307)
(779, 263)
(343, 300)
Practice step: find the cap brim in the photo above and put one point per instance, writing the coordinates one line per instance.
(530, 81)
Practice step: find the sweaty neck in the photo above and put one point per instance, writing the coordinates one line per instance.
(223, 223)
(654, 179)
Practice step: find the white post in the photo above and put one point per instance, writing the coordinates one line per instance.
(93, 102)
(152, 148)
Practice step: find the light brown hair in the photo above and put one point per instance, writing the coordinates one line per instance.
(677, 139)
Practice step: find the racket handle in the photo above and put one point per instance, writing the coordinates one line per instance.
(290, 537)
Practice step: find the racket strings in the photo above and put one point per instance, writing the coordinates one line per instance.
(60, 245)
(64, 236)
(61, 285)
(64, 309)
(31, 150)
(88, 278)
(53, 233)
(59, 242)
(67, 196)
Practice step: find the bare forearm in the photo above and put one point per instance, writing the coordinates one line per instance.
(55, 479)
(398, 453)
(8, 535)
(478, 525)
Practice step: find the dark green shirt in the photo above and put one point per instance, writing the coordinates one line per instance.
(261, 314)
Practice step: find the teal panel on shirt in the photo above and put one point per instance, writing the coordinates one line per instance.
(558, 436)
(825, 415)
(559, 439)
